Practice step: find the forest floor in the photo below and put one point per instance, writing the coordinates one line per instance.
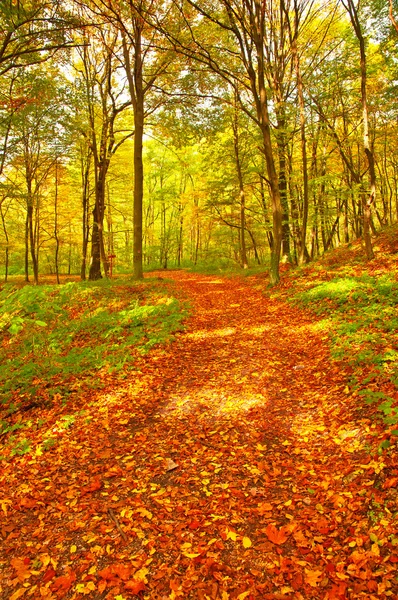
(235, 463)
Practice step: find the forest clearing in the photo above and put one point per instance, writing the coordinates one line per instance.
(239, 460)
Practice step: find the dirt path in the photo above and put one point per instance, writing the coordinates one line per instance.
(229, 466)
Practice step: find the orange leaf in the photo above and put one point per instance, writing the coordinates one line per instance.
(277, 536)
(63, 583)
(107, 574)
(21, 567)
(121, 571)
(312, 577)
(134, 586)
(18, 593)
(93, 487)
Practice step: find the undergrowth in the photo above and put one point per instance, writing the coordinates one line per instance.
(56, 337)
(360, 312)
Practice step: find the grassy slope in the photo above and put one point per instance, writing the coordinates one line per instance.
(356, 303)
(59, 340)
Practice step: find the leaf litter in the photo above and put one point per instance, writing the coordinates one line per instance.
(233, 463)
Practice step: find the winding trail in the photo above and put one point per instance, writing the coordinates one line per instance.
(231, 465)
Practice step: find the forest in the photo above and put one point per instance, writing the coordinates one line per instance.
(139, 135)
(198, 300)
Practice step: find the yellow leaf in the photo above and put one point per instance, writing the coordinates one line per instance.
(375, 549)
(286, 443)
(231, 535)
(45, 559)
(18, 593)
(73, 549)
(194, 555)
(141, 575)
(92, 570)
(246, 543)
(243, 595)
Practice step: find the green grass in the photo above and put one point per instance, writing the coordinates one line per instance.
(55, 335)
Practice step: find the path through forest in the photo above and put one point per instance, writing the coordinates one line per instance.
(230, 465)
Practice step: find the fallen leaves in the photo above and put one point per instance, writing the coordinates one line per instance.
(313, 578)
(275, 535)
(208, 473)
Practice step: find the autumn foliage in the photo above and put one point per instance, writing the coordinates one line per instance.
(233, 463)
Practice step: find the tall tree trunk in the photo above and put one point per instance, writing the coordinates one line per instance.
(257, 80)
(85, 176)
(56, 236)
(242, 199)
(281, 143)
(32, 243)
(137, 95)
(138, 176)
(95, 263)
(367, 198)
(302, 258)
(26, 257)
(7, 248)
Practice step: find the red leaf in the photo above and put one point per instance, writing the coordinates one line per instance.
(194, 524)
(92, 487)
(48, 575)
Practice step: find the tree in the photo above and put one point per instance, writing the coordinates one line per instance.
(104, 102)
(32, 32)
(367, 198)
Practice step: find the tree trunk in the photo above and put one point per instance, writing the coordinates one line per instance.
(26, 258)
(7, 249)
(281, 143)
(242, 220)
(302, 258)
(138, 176)
(32, 243)
(137, 95)
(95, 264)
(85, 175)
(369, 198)
(56, 222)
